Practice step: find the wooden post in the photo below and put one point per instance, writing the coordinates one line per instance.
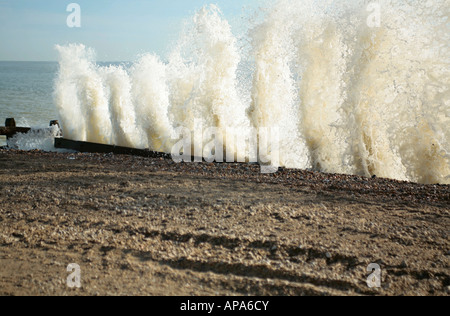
(10, 122)
(56, 123)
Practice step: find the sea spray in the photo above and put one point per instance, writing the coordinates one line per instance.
(36, 138)
(150, 95)
(122, 112)
(274, 95)
(202, 76)
(347, 96)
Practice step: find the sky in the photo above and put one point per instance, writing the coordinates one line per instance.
(119, 30)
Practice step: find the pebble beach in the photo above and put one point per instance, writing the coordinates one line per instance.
(140, 226)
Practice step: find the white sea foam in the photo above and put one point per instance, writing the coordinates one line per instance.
(347, 97)
(36, 138)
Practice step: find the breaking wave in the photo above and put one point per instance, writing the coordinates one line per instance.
(347, 96)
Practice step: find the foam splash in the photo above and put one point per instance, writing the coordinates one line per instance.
(347, 97)
(37, 138)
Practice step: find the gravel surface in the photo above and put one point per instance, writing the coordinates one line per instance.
(139, 226)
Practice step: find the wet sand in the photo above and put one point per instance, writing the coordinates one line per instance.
(139, 226)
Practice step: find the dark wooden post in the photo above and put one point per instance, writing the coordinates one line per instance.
(10, 122)
(56, 123)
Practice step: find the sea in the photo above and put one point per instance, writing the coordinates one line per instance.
(349, 87)
(26, 93)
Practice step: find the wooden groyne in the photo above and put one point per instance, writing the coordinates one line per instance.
(10, 129)
(87, 147)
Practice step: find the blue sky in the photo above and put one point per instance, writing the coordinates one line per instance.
(118, 30)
